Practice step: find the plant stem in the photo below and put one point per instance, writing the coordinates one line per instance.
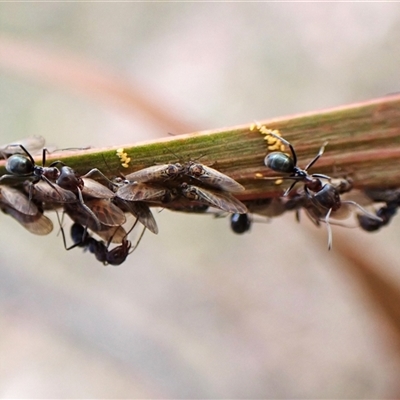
(363, 143)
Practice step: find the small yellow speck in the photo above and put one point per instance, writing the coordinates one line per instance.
(258, 175)
(278, 181)
(252, 127)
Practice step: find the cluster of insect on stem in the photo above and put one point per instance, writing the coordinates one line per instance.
(102, 208)
(104, 212)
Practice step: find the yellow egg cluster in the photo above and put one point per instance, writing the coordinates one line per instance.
(125, 160)
(273, 144)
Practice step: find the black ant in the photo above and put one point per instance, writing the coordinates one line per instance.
(385, 213)
(116, 256)
(320, 206)
(23, 165)
(392, 199)
(281, 162)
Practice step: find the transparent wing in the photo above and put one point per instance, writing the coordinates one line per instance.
(95, 189)
(17, 200)
(223, 201)
(141, 191)
(106, 212)
(38, 224)
(212, 177)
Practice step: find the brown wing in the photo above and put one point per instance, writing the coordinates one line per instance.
(212, 177)
(78, 214)
(106, 212)
(42, 191)
(95, 189)
(17, 200)
(223, 201)
(38, 224)
(141, 191)
(112, 234)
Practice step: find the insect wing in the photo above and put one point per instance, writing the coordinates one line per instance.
(17, 200)
(37, 224)
(141, 211)
(42, 191)
(31, 143)
(155, 173)
(95, 189)
(268, 207)
(112, 234)
(106, 212)
(223, 201)
(212, 177)
(79, 215)
(141, 191)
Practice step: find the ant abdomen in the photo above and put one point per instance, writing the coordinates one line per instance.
(20, 165)
(240, 223)
(279, 162)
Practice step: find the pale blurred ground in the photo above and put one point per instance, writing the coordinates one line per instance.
(196, 312)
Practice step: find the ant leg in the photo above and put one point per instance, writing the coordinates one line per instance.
(328, 226)
(138, 241)
(315, 159)
(370, 215)
(24, 150)
(77, 244)
(88, 210)
(287, 144)
(322, 176)
(289, 189)
(96, 171)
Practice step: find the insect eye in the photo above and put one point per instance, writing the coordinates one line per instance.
(18, 164)
(279, 162)
(173, 169)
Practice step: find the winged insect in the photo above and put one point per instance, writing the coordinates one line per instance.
(115, 256)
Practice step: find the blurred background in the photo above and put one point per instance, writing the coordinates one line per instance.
(196, 311)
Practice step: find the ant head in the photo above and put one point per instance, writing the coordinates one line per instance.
(69, 180)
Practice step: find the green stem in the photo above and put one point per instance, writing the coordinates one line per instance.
(363, 143)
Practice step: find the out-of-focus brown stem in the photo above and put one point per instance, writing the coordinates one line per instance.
(363, 143)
